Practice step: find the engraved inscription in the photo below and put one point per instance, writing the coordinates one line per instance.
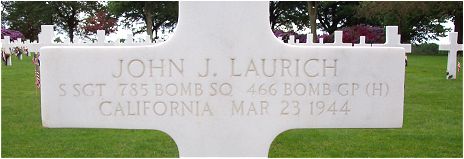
(171, 97)
(284, 68)
(137, 68)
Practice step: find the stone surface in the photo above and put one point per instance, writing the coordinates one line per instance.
(33, 47)
(309, 39)
(362, 42)
(338, 40)
(46, 35)
(223, 89)
(6, 44)
(453, 47)
(291, 39)
(101, 37)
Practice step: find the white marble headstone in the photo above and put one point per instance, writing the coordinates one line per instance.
(309, 39)
(46, 35)
(291, 39)
(362, 41)
(223, 89)
(101, 37)
(130, 39)
(6, 44)
(34, 47)
(338, 40)
(393, 39)
(18, 41)
(453, 47)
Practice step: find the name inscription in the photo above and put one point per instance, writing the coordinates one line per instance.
(138, 68)
(167, 94)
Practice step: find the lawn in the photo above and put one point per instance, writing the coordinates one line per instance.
(432, 125)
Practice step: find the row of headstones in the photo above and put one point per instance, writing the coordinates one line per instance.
(46, 39)
(452, 47)
(17, 48)
(392, 39)
(46, 36)
(18, 51)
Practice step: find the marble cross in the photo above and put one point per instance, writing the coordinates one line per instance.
(18, 42)
(6, 46)
(321, 41)
(338, 40)
(33, 46)
(362, 42)
(46, 35)
(309, 39)
(101, 37)
(46, 39)
(453, 47)
(223, 89)
(393, 39)
(291, 40)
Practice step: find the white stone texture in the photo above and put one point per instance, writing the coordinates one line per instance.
(236, 39)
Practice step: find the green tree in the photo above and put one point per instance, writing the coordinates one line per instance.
(334, 15)
(26, 17)
(67, 13)
(4, 5)
(331, 15)
(452, 10)
(312, 10)
(283, 14)
(100, 21)
(157, 15)
(417, 21)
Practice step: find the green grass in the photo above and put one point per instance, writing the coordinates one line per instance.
(432, 125)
